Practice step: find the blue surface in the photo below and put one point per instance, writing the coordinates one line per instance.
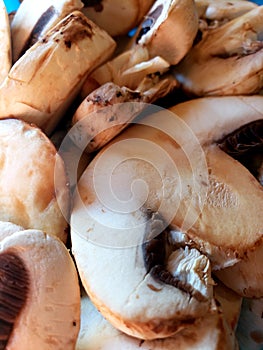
(11, 5)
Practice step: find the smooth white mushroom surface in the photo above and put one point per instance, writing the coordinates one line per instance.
(34, 191)
(43, 273)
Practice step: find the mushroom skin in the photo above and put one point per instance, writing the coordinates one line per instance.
(59, 62)
(34, 186)
(50, 316)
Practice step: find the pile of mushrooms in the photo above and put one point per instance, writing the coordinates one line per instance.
(131, 167)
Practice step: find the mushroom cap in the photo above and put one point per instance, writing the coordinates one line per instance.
(5, 42)
(117, 17)
(33, 187)
(49, 318)
(210, 333)
(58, 63)
(32, 21)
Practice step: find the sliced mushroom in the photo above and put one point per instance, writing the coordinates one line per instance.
(5, 42)
(216, 13)
(43, 83)
(169, 29)
(228, 60)
(105, 112)
(107, 233)
(32, 21)
(128, 69)
(34, 191)
(40, 296)
(210, 333)
(115, 16)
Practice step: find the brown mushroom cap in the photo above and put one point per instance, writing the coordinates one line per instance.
(49, 317)
(34, 190)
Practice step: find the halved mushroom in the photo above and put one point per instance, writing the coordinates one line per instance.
(148, 292)
(105, 112)
(117, 17)
(216, 13)
(29, 194)
(45, 80)
(210, 333)
(228, 60)
(40, 296)
(32, 21)
(5, 42)
(169, 29)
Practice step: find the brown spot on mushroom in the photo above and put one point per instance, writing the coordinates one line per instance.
(14, 286)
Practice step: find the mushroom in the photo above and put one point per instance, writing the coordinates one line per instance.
(115, 16)
(153, 49)
(113, 241)
(213, 332)
(169, 29)
(8, 228)
(216, 13)
(106, 111)
(5, 42)
(32, 21)
(40, 296)
(46, 79)
(33, 188)
(227, 60)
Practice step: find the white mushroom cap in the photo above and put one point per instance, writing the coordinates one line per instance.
(34, 191)
(49, 318)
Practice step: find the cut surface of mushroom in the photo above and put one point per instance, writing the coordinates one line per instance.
(31, 21)
(111, 232)
(210, 333)
(169, 29)
(115, 16)
(50, 313)
(228, 60)
(59, 63)
(5, 43)
(29, 195)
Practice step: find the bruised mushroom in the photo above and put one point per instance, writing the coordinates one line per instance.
(29, 195)
(46, 79)
(40, 297)
(32, 21)
(109, 109)
(5, 43)
(227, 61)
